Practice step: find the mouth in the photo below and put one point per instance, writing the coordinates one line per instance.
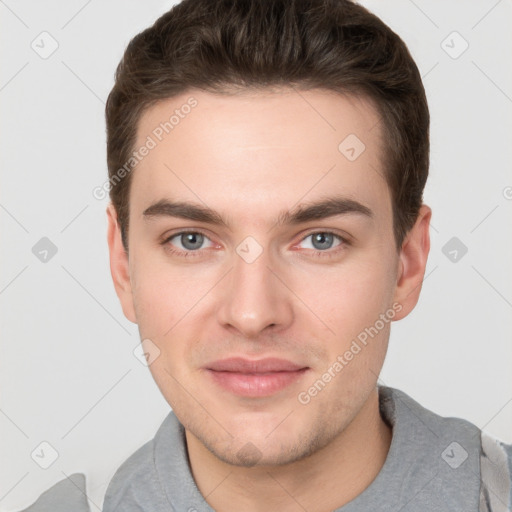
(254, 378)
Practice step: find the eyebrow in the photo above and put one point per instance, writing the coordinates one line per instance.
(322, 209)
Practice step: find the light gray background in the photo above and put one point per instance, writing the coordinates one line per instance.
(68, 373)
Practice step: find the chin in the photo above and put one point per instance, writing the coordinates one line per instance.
(260, 446)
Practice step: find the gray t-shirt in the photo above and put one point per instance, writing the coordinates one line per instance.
(434, 464)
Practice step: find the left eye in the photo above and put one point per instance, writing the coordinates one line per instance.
(190, 241)
(323, 240)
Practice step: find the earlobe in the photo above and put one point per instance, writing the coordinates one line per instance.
(412, 263)
(119, 265)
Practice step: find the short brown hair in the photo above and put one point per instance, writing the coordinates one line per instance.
(216, 45)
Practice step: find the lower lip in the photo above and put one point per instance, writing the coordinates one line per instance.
(255, 385)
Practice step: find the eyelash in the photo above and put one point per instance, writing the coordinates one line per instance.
(329, 253)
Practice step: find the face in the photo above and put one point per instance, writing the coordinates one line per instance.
(266, 318)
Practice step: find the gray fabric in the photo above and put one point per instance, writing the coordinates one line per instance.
(65, 496)
(496, 471)
(433, 465)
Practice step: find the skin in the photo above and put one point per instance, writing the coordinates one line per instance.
(250, 157)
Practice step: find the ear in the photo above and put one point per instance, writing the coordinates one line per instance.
(119, 267)
(412, 263)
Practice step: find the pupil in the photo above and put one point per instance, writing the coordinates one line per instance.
(192, 240)
(322, 238)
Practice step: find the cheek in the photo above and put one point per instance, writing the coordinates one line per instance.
(167, 302)
(153, 303)
(349, 298)
(351, 302)
(164, 295)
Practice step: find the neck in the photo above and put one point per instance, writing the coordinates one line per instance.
(322, 482)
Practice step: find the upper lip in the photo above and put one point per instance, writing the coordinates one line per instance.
(242, 365)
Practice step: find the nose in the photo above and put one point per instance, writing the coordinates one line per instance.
(254, 297)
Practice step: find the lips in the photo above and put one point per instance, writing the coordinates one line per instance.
(241, 365)
(254, 378)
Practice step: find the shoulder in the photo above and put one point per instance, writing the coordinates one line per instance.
(131, 481)
(489, 473)
(136, 486)
(496, 474)
(394, 402)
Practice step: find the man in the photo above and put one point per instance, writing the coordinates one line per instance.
(267, 160)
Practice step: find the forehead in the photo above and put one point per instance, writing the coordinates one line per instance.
(258, 149)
